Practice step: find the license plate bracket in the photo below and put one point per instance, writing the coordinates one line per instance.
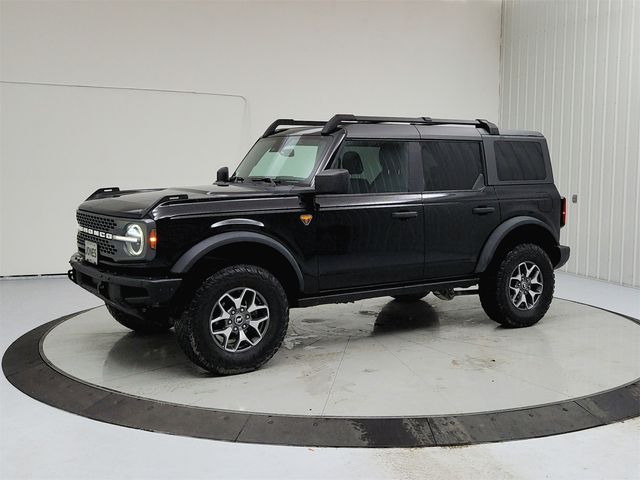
(91, 252)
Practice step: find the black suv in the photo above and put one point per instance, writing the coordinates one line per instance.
(329, 212)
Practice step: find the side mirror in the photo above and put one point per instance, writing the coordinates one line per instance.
(333, 181)
(223, 175)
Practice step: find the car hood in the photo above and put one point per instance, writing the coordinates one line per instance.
(138, 203)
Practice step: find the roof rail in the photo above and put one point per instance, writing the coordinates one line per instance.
(342, 119)
(290, 122)
(347, 118)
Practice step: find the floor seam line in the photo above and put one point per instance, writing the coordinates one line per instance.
(433, 435)
(422, 380)
(335, 376)
(602, 421)
(244, 425)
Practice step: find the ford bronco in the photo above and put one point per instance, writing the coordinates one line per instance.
(328, 212)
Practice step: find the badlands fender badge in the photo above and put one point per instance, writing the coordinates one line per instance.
(306, 218)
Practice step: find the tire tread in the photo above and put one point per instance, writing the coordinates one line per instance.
(497, 305)
(184, 325)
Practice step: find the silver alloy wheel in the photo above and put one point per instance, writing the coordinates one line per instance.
(525, 285)
(239, 319)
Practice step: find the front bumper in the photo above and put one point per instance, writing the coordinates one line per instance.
(127, 293)
(564, 255)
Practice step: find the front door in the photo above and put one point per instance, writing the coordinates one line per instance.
(374, 234)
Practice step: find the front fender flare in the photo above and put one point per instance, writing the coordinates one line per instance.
(491, 245)
(199, 250)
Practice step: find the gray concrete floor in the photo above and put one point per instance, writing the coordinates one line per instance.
(372, 358)
(37, 441)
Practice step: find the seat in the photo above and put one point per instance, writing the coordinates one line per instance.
(352, 162)
(392, 178)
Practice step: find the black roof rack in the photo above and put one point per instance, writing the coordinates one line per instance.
(290, 122)
(342, 119)
(345, 118)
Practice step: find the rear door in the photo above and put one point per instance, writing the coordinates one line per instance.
(375, 233)
(460, 210)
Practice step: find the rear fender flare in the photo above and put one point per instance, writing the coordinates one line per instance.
(500, 233)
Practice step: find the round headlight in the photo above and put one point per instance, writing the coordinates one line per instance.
(134, 247)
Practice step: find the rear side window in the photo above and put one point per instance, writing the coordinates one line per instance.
(450, 164)
(519, 161)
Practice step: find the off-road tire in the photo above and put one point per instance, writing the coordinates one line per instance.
(494, 287)
(152, 322)
(411, 298)
(193, 329)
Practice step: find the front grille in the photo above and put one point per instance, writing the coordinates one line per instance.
(95, 222)
(106, 247)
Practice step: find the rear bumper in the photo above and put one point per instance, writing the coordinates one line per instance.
(125, 292)
(564, 255)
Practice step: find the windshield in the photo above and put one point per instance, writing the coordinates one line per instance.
(290, 158)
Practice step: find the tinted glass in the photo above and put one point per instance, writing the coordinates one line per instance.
(283, 158)
(519, 161)
(375, 166)
(451, 164)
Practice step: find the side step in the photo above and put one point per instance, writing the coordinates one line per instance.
(352, 296)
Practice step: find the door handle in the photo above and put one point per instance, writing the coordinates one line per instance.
(483, 210)
(402, 215)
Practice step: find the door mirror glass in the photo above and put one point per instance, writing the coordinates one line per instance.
(333, 181)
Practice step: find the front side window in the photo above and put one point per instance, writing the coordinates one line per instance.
(376, 166)
(519, 160)
(289, 158)
(450, 164)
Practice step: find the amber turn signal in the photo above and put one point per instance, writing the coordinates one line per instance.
(153, 239)
(306, 218)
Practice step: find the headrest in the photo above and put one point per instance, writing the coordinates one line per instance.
(352, 162)
(390, 157)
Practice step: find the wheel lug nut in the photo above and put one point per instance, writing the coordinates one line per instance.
(229, 322)
(235, 329)
(247, 317)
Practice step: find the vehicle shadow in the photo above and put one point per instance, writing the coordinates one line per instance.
(398, 316)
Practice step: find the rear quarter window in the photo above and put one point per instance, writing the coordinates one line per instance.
(519, 160)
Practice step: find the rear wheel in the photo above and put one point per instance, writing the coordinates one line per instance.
(236, 320)
(518, 290)
(411, 298)
(148, 322)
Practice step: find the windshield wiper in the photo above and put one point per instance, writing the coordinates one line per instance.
(284, 178)
(265, 179)
(236, 178)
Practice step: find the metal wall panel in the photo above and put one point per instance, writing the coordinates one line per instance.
(571, 69)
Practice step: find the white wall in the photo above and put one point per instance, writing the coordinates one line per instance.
(305, 60)
(571, 69)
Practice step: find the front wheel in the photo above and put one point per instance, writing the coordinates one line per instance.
(517, 292)
(236, 320)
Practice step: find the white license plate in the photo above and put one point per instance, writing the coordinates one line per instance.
(91, 252)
